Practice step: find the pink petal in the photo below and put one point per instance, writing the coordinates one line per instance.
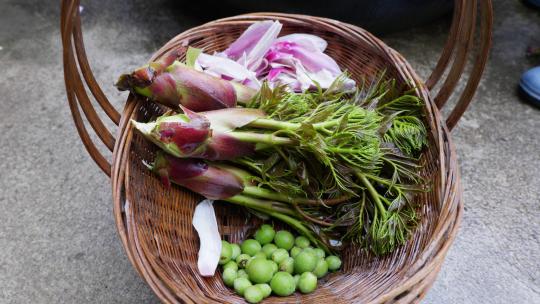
(312, 60)
(311, 42)
(256, 54)
(224, 67)
(263, 67)
(250, 38)
(276, 56)
(275, 72)
(287, 79)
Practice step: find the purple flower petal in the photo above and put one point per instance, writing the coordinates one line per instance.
(248, 39)
(256, 54)
(311, 42)
(286, 79)
(262, 69)
(254, 42)
(226, 68)
(275, 72)
(274, 56)
(295, 60)
(312, 60)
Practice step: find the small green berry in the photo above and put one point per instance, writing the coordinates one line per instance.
(240, 285)
(321, 269)
(265, 234)
(296, 278)
(259, 271)
(284, 239)
(305, 261)
(307, 282)
(226, 253)
(280, 255)
(250, 247)
(274, 266)
(230, 264)
(253, 294)
(319, 253)
(282, 284)
(301, 241)
(265, 288)
(260, 255)
(242, 260)
(268, 249)
(236, 251)
(287, 265)
(334, 263)
(309, 249)
(295, 251)
(242, 274)
(266, 226)
(229, 275)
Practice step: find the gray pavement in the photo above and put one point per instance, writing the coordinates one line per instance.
(58, 242)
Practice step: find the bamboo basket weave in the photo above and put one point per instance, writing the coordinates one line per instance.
(154, 224)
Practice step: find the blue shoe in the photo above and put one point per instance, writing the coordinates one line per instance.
(530, 85)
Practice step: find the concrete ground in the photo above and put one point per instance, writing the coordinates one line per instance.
(58, 242)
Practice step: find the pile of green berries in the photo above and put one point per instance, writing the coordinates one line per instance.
(274, 262)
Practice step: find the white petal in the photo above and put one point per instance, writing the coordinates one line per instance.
(204, 221)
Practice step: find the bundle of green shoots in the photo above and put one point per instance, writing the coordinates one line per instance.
(337, 167)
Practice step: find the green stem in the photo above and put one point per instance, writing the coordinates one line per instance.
(325, 131)
(301, 229)
(264, 193)
(344, 150)
(265, 123)
(274, 210)
(247, 163)
(271, 195)
(394, 185)
(260, 205)
(326, 124)
(261, 138)
(374, 194)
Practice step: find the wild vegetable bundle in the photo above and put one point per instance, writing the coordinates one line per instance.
(273, 124)
(335, 166)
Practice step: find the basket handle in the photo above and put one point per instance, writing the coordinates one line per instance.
(460, 42)
(75, 65)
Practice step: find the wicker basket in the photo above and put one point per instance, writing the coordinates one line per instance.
(154, 223)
